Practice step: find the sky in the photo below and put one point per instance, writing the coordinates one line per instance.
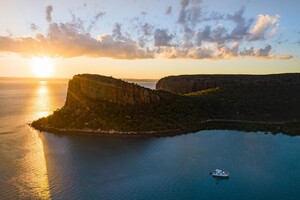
(148, 38)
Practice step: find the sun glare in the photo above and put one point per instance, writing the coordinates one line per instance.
(42, 66)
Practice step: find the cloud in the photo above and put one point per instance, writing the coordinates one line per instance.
(284, 56)
(190, 12)
(162, 38)
(9, 32)
(264, 24)
(195, 13)
(99, 15)
(33, 27)
(227, 40)
(224, 51)
(198, 35)
(147, 32)
(263, 52)
(49, 10)
(183, 13)
(63, 40)
(273, 31)
(242, 25)
(117, 33)
(121, 49)
(21, 45)
(95, 20)
(168, 10)
(189, 16)
(217, 35)
(204, 35)
(147, 29)
(220, 34)
(144, 13)
(216, 52)
(76, 23)
(188, 53)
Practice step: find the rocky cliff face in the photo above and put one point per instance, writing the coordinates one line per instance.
(192, 83)
(109, 89)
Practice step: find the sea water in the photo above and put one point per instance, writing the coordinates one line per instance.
(40, 165)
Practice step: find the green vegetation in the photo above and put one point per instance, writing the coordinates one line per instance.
(250, 108)
(203, 92)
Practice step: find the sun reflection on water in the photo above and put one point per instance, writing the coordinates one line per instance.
(35, 180)
(42, 90)
(42, 82)
(24, 166)
(42, 100)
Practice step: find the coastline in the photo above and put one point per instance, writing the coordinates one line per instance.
(102, 105)
(291, 128)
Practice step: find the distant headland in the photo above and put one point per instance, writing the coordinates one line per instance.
(180, 104)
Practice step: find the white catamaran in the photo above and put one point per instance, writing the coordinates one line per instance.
(220, 173)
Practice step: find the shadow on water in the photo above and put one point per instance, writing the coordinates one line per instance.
(78, 163)
(219, 180)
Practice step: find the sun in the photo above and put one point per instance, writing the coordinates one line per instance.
(42, 66)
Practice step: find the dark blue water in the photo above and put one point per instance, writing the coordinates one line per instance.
(38, 165)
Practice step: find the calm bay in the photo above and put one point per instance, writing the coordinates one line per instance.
(40, 165)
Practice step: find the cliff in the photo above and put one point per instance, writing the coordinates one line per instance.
(107, 106)
(184, 84)
(104, 88)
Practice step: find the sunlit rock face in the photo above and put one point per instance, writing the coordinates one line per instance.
(192, 83)
(109, 89)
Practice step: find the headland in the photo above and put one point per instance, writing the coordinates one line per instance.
(180, 104)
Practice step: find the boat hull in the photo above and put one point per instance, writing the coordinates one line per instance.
(220, 176)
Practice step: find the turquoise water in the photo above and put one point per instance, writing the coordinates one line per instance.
(38, 165)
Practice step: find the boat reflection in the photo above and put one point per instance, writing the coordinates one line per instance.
(219, 180)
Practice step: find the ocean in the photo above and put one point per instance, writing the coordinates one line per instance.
(41, 165)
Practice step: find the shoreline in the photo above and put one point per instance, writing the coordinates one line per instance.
(111, 133)
(291, 128)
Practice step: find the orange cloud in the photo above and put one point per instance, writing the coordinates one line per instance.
(64, 41)
(264, 24)
(72, 39)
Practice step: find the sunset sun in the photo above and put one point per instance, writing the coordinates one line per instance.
(42, 66)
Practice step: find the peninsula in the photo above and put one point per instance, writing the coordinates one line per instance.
(180, 104)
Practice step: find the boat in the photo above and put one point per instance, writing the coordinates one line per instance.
(220, 173)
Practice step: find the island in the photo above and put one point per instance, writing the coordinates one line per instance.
(104, 105)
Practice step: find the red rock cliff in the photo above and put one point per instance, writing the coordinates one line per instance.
(109, 89)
